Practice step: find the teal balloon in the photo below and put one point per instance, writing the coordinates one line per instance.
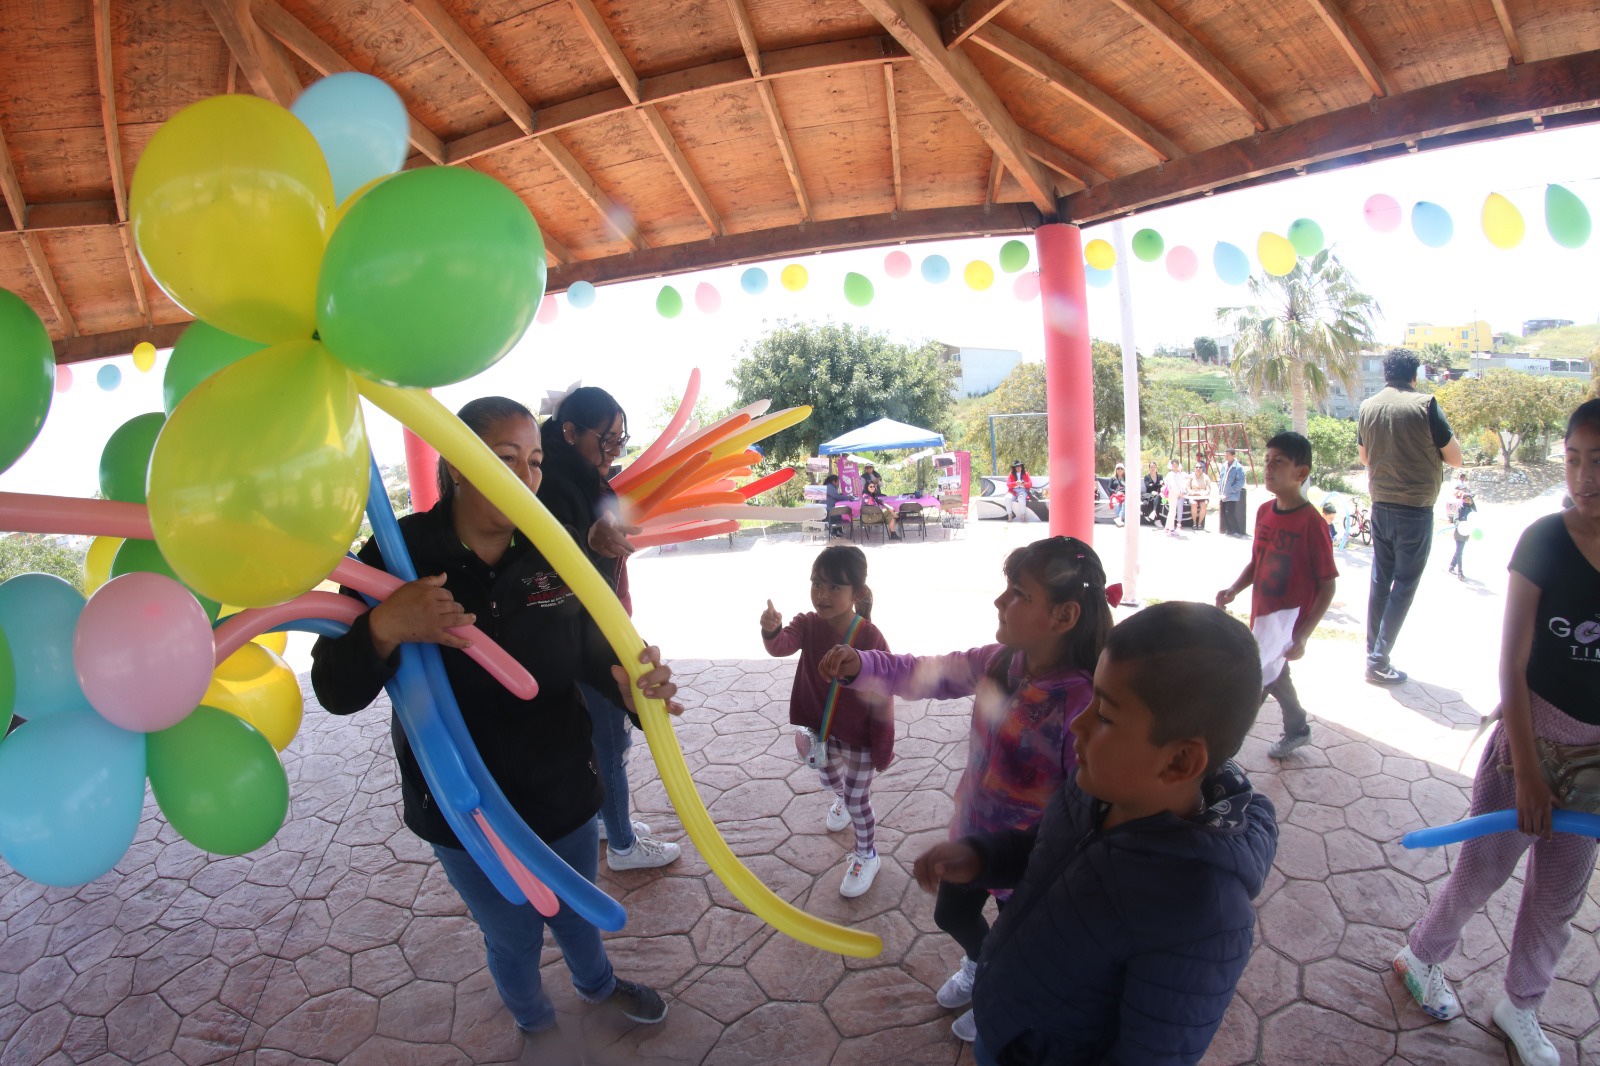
(858, 289)
(219, 782)
(1100, 279)
(753, 281)
(1432, 224)
(38, 615)
(936, 269)
(1014, 255)
(1148, 245)
(1306, 236)
(8, 684)
(580, 294)
(1231, 264)
(28, 370)
(430, 278)
(71, 796)
(144, 556)
(360, 125)
(1566, 217)
(125, 460)
(669, 302)
(200, 352)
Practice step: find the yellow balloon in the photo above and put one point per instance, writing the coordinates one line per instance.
(144, 356)
(430, 420)
(1502, 222)
(979, 275)
(97, 563)
(1100, 255)
(228, 206)
(276, 643)
(256, 685)
(1277, 255)
(793, 277)
(259, 478)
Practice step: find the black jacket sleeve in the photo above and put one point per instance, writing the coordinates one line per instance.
(346, 673)
(1004, 856)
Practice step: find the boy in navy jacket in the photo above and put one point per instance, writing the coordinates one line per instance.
(1131, 921)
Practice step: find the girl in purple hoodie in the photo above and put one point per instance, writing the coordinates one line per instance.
(1054, 618)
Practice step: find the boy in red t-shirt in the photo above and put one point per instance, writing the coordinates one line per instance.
(1291, 565)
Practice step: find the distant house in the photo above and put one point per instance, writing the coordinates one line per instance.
(981, 370)
(1466, 337)
(1539, 325)
(1531, 364)
(1340, 404)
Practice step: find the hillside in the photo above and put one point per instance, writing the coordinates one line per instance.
(1569, 342)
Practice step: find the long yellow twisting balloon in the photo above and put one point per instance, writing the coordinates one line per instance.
(431, 421)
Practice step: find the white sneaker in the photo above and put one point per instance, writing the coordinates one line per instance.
(858, 875)
(838, 817)
(965, 1027)
(1522, 1026)
(640, 829)
(957, 991)
(1428, 985)
(646, 853)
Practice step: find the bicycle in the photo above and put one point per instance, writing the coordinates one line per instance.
(1358, 523)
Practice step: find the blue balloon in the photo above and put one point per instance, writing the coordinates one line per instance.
(1431, 223)
(935, 269)
(580, 294)
(361, 126)
(109, 378)
(753, 281)
(1232, 265)
(1574, 822)
(1097, 277)
(39, 614)
(71, 795)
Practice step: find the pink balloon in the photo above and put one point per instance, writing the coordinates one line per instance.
(1383, 212)
(547, 310)
(1182, 263)
(707, 298)
(63, 378)
(143, 652)
(1026, 287)
(897, 264)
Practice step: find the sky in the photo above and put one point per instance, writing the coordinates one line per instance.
(622, 344)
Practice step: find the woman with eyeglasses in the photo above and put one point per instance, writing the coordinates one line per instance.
(582, 441)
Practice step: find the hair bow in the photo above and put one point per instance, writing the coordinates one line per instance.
(552, 399)
(1114, 594)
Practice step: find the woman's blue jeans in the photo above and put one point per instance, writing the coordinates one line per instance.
(513, 933)
(613, 736)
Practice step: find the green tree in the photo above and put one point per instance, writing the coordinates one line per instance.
(1163, 408)
(1513, 405)
(1333, 443)
(1205, 349)
(848, 375)
(35, 553)
(1301, 332)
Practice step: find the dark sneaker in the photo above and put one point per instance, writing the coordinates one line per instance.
(638, 1003)
(1286, 744)
(1385, 675)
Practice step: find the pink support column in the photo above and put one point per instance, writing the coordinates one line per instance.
(1068, 380)
(422, 469)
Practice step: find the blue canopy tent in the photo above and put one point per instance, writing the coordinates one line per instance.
(884, 435)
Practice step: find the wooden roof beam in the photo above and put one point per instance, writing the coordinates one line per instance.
(130, 255)
(108, 120)
(894, 136)
(1062, 162)
(83, 347)
(747, 35)
(913, 26)
(610, 50)
(614, 216)
(1344, 33)
(1155, 19)
(656, 127)
(259, 56)
(455, 40)
(298, 38)
(968, 19)
(997, 174)
(791, 164)
(553, 248)
(1503, 13)
(47, 282)
(1064, 81)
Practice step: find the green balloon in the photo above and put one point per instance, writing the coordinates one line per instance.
(1566, 217)
(143, 556)
(669, 302)
(8, 684)
(28, 369)
(1148, 245)
(125, 460)
(200, 352)
(858, 289)
(218, 781)
(1306, 236)
(430, 278)
(1013, 256)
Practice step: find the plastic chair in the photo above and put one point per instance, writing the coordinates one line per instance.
(839, 517)
(912, 512)
(873, 515)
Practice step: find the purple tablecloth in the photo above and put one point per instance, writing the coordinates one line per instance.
(930, 505)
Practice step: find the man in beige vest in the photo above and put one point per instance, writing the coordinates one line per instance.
(1403, 440)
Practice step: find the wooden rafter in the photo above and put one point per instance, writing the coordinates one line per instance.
(610, 50)
(894, 136)
(997, 174)
(130, 256)
(83, 347)
(299, 39)
(10, 187)
(259, 56)
(1064, 81)
(1062, 162)
(769, 103)
(913, 26)
(553, 248)
(455, 40)
(47, 282)
(747, 35)
(1503, 13)
(615, 217)
(108, 120)
(1345, 34)
(656, 126)
(1157, 21)
(968, 19)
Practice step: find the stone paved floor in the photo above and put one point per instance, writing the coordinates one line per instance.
(340, 941)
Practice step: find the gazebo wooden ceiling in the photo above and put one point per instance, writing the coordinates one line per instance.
(650, 137)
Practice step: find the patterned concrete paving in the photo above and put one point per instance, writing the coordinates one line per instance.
(340, 941)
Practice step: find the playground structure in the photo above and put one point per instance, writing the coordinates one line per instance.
(1198, 439)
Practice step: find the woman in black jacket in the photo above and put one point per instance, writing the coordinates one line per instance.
(481, 569)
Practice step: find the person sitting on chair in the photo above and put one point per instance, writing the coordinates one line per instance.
(836, 496)
(1018, 486)
(873, 494)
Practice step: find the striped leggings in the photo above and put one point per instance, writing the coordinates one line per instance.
(848, 774)
(1553, 889)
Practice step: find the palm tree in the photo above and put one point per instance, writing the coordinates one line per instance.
(1301, 332)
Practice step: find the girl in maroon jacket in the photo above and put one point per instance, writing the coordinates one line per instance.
(844, 735)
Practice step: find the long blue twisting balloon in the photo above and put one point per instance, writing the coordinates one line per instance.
(1574, 822)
